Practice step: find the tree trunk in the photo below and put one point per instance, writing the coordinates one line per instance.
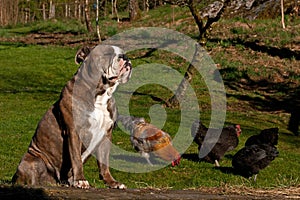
(66, 10)
(44, 11)
(282, 14)
(51, 10)
(9, 12)
(114, 9)
(75, 9)
(205, 28)
(104, 3)
(174, 101)
(146, 5)
(87, 17)
(97, 21)
(27, 15)
(134, 11)
(79, 11)
(196, 15)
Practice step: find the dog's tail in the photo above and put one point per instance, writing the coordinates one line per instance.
(129, 122)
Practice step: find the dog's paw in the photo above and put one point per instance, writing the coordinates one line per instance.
(117, 185)
(83, 184)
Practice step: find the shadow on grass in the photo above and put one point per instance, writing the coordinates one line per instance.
(270, 102)
(255, 46)
(153, 97)
(22, 193)
(230, 170)
(226, 170)
(191, 156)
(273, 96)
(137, 159)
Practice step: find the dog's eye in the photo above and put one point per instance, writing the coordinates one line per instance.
(123, 56)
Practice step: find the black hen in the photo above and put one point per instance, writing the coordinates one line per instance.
(251, 159)
(227, 141)
(266, 136)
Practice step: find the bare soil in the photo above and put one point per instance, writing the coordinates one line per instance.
(8, 192)
(63, 39)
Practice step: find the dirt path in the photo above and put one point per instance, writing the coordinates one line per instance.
(62, 39)
(53, 193)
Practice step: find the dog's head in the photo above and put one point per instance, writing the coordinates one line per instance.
(114, 65)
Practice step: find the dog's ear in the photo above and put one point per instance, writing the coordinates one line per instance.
(82, 53)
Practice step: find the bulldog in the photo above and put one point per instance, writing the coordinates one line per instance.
(78, 125)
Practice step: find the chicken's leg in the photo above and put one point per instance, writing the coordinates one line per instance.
(217, 163)
(146, 156)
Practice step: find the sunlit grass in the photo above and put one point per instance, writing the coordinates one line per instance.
(31, 78)
(28, 89)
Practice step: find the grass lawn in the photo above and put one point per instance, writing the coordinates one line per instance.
(31, 80)
(260, 89)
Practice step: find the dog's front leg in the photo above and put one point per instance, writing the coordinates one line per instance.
(102, 155)
(78, 179)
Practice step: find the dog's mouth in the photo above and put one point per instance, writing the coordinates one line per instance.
(113, 78)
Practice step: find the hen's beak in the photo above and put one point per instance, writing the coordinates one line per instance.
(176, 162)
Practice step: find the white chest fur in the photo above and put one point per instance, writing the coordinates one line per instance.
(99, 120)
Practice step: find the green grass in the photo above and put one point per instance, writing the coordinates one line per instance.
(31, 78)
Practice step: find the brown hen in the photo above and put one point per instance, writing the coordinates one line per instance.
(146, 139)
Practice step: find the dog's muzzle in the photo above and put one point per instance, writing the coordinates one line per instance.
(124, 71)
(127, 64)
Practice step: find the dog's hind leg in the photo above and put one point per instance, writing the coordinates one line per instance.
(32, 171)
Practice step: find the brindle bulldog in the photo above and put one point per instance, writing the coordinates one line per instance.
(78, 125)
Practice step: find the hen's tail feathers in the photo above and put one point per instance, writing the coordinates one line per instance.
(198, 128)
(271, 135)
